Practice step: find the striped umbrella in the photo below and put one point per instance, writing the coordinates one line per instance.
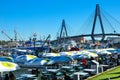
(61, 59)
(65, 53)
(89, 54)
(50, 54)
(79, 56)
(37, 62)
(23, 58)
(7, 59)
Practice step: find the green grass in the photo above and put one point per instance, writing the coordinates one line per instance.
(113, 74)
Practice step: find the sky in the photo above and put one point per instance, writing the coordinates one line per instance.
(44, 17)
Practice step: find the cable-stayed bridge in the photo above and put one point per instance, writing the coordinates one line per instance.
(97, 16)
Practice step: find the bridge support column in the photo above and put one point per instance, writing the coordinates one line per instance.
(97, 14)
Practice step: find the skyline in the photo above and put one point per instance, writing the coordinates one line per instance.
(45, 16)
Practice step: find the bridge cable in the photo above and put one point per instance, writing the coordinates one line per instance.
(86, 25)
(111, 17)
(58, 32)
(109, 23)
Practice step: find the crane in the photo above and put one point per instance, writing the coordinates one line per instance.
(47, 40)
(7, 35)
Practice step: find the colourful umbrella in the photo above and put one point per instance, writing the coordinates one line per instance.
(66, 53)
(79, 56)
(61, 59)
(23, 58)
(50, 54)
(7, 59)
(104, 52)
(8, 66)
(89, 54)
(37, 62)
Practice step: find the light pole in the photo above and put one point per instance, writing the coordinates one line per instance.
(34, 39)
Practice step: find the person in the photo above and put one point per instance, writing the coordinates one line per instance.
(11, 76)
(36, 53)
(6, 77)
(1, 76)
(54, 76)
(39, 76)
(66, 77)
(84, 62)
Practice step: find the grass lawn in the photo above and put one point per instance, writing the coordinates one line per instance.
(113, 74)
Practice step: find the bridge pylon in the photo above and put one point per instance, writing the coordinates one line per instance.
(97, 14)
(63, 32)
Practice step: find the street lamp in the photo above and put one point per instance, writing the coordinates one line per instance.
(34, 39)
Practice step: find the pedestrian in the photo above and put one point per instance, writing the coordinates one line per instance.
(54, 76)
(66, 77)
(1, 76)
(6, 77)
(11, 76)
(39, 76)
(84, 62)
